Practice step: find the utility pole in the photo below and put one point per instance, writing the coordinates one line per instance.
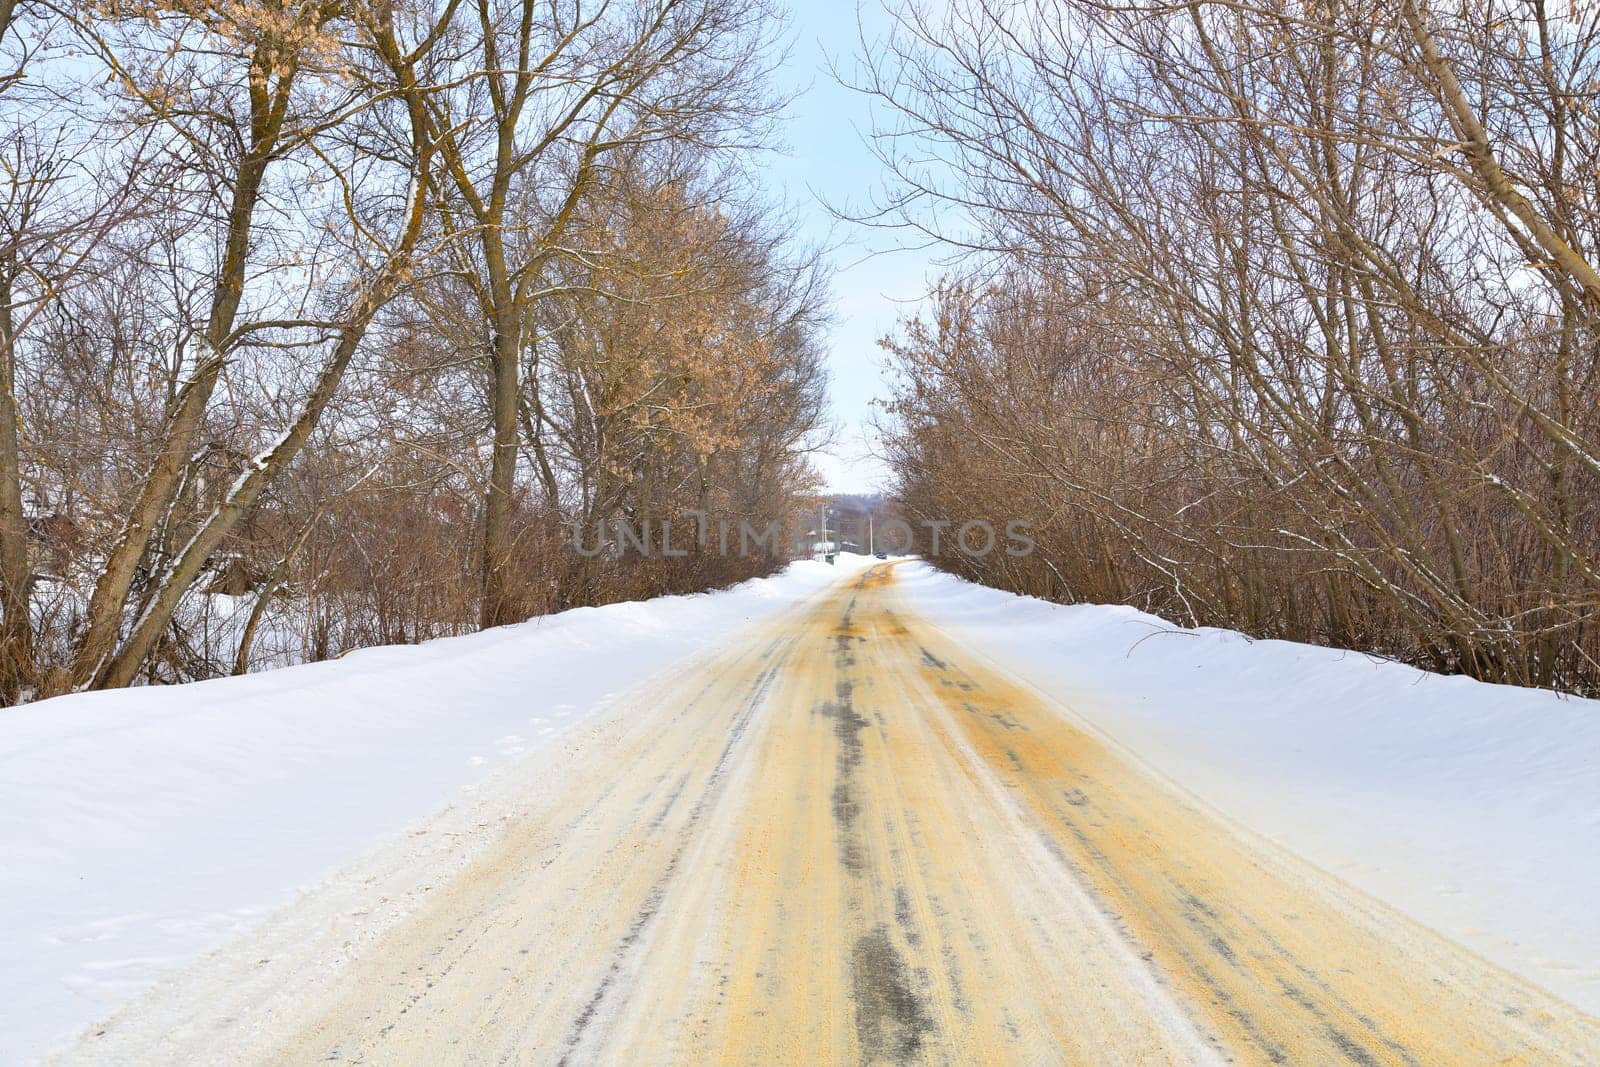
(871, 549)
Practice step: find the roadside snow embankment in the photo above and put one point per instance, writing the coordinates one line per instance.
(144, 827)
(1474, 808)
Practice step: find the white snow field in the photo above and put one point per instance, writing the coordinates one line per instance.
(144, 828)
(1473, 808)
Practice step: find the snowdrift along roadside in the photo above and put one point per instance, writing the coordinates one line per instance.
(144, 827)
(1474, 808)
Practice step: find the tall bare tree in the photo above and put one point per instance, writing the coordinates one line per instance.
(546, 95)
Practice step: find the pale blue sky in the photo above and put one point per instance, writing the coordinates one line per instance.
(828, 161)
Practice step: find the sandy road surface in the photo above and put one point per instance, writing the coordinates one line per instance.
(851, 841)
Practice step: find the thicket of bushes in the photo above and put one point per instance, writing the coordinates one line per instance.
(1282, 316)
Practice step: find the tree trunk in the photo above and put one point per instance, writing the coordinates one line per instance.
(499, 600)
(16, 629)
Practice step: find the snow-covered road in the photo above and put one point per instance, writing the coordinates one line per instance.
(843, 836)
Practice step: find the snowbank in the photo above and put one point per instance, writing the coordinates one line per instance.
(144, 827)
(1474, 808)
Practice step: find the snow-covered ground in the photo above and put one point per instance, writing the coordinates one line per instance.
(141, 828)
(1474, 808)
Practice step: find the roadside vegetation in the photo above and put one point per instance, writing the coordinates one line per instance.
(1277, 316)
(322, 323)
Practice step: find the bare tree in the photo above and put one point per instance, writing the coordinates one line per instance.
(63, 192)
(552, 92)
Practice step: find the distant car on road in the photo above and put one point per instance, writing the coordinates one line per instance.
(880, 555)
